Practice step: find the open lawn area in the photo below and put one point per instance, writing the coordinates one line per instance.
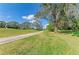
(13, 32)
(44, 43)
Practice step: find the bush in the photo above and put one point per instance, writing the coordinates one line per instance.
(2, 24)
(50, 27)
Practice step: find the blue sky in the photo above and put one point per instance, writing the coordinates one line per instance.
(15, 11)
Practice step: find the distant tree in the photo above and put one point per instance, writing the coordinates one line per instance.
(2, 24)
(25, 25)
(13, 24)
(37, 25)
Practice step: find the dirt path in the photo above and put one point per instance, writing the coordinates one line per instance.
(11, 39)
(72, 41)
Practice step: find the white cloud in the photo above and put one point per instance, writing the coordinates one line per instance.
(24, 17)
(30, 18)
(32, 21)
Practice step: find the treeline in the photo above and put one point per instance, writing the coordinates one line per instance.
(16, 25)
(63, 16)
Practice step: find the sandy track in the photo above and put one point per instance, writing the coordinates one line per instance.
(14, 38)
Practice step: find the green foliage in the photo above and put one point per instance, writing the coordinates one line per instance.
(25, 25)
(56, 12)
(2, 24)
(37, 25)
(13, 24)
(75, 26)
(50, 27)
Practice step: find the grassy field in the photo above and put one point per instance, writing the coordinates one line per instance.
(44, 43)
(13, 32)
(75, 34)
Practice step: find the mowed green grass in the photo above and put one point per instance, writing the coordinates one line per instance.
(76, 33)
(13, 32)
(47, 43)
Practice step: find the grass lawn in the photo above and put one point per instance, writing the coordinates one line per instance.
(13, 32)
(76, 34)
(44, 43)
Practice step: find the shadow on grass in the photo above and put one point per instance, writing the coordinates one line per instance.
(66, 31)
(74, 33)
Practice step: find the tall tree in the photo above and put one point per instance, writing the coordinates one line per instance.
(55, 13)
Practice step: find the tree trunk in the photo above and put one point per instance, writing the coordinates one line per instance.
(56, 22)
(55, 29)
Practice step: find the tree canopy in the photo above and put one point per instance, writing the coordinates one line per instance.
(58, 14)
